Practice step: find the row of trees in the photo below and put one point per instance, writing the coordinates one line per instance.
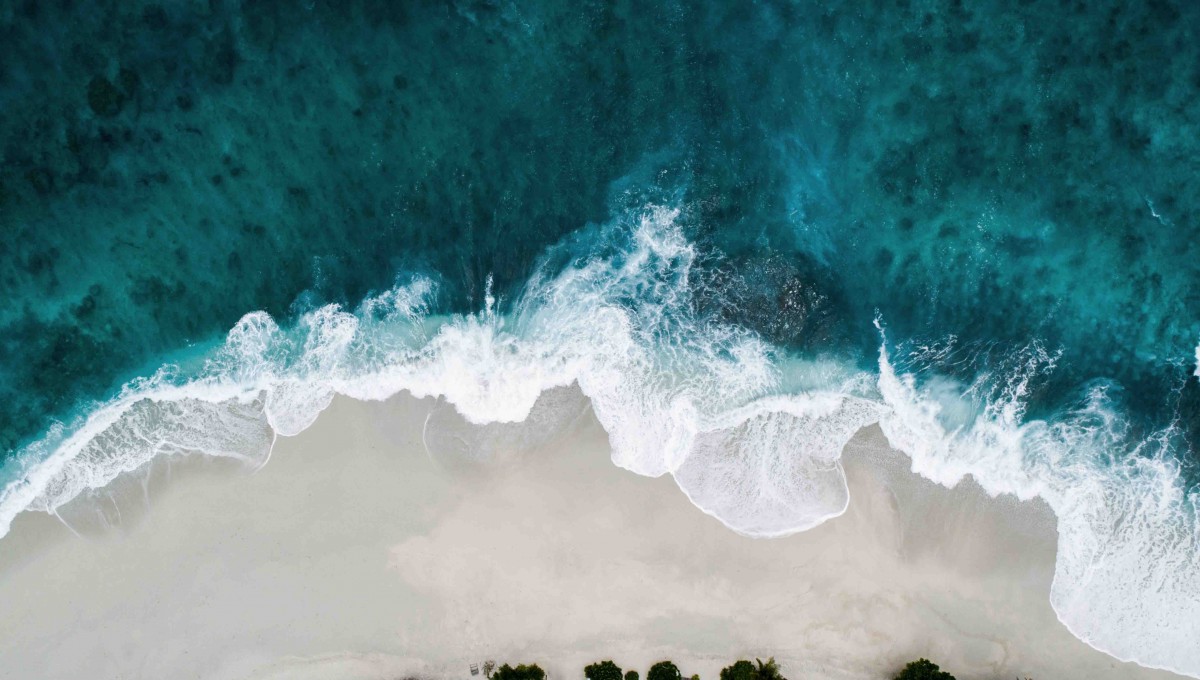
(922, 669)
(666, 670)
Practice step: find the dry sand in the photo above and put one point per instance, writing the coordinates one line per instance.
(355, 553)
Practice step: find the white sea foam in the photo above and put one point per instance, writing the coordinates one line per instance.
(683, 395)
(1127, 573)
(774, 468)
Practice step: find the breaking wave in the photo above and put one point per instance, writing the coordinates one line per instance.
(683, 394)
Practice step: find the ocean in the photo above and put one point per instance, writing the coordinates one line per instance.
(745, 230)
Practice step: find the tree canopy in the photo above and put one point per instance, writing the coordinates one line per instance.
(521, 672)
(631, 675)
(740, 670)
(769, 670)
(923, 669)
(664, 670)
(744, 670)
(603, 670)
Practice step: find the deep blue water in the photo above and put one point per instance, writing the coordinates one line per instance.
(1011, 188)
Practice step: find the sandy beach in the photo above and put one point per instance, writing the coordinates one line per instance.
(381, 543)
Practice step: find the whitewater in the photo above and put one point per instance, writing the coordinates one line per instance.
(750, 433)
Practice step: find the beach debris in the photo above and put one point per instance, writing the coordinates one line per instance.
(474, 669)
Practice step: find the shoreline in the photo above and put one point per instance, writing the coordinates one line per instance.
(356, 553)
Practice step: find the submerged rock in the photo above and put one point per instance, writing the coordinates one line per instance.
(104, 98)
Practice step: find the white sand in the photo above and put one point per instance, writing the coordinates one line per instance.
(354, 554)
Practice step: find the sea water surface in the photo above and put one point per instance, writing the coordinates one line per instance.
(745, 230)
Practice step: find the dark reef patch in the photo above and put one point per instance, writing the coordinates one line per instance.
(104, 98)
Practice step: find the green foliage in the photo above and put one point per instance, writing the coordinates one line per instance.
(923, 669)
(631, 675)
(740, 670)
(604, 670)
(521, 672)
(744, 670)
(664, 670)
(769, 670)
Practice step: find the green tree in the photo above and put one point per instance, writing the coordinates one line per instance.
(740, 670)
(521, 672)
(631, 675)
(604, 670)
(744, 670)
(768, 670)
(923, 669)
(664, 670)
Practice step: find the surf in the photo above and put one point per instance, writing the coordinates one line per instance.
(751, 433)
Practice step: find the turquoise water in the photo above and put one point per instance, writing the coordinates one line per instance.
(759, 192)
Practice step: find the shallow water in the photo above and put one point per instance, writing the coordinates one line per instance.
(736, 228)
